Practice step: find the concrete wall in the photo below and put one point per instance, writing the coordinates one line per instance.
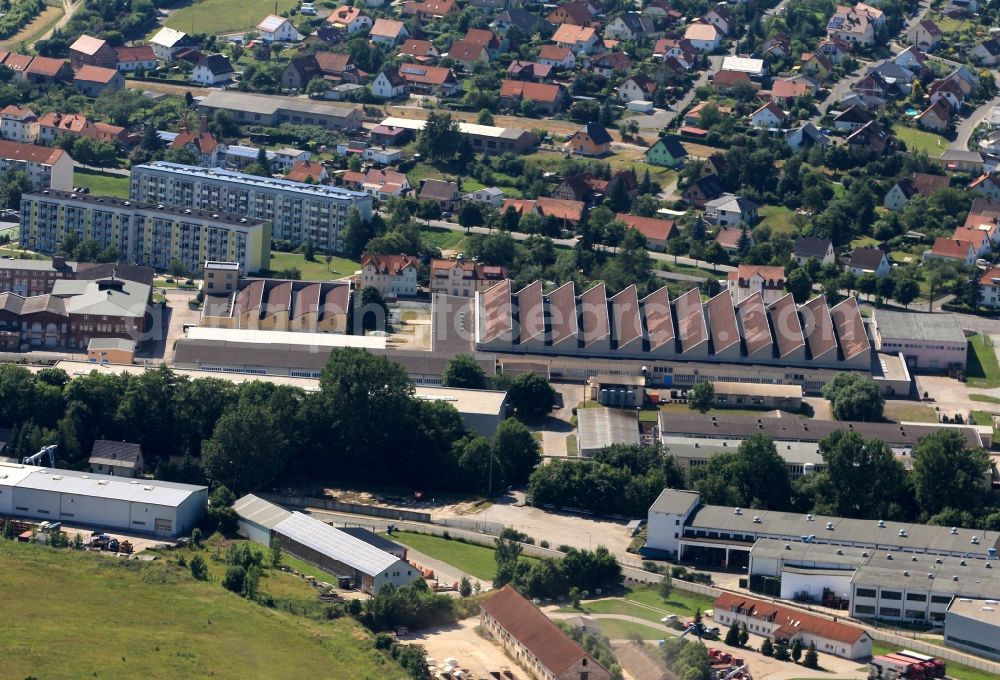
(794, 583)
(978, 637)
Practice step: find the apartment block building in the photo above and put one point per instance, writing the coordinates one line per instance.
(153, 235)
(298, 212)
(44, 167)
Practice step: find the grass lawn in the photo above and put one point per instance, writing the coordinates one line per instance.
(982, 369)
(224, 16)
(921, 140)
(616, 605)
(777, 217)
(864, 242)
(571, 445)
(35, 28)
(614, 629)
(681, 602)
(985, 398)
(317, 270)
(683, 408)
(102, 183)
(157, 622)
(915, 413)
(954, 670)
(444, 239)
(476, 560)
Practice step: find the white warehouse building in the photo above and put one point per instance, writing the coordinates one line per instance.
(144, 506)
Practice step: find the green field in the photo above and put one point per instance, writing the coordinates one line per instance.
(920, 140)
(74, 615)
(616, 605)
(777, 217)
(982, 369)
(681, 602)
(317, 270)
(102, 183)
(224, 16)
(475, 560)
(913, 413)
(443, 239)
(615, 629)
(985, 398)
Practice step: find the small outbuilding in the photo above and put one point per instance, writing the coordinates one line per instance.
(119, 459)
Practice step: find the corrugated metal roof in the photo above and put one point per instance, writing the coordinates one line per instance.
(600, 427)
(259, 511)
(150, 491)
(335, 544)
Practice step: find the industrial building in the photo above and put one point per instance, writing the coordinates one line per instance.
(973, 625)
(149, 234)
(685, 341)
(84, 499)
(483, 138)
(272, 111)
(482, 411)
(877, 582)
(784, 623)
(682, 528)
(298, 212)
(356, 562)
(597, 428)
(928, 342)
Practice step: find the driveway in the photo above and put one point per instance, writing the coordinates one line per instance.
(965, 128)
(475, 654)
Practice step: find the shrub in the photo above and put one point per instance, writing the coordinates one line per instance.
(199, 570)
(235, 579)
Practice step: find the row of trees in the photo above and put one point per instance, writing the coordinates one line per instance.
(363, 424)
(577, 573)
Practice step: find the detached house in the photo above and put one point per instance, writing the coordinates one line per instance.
(656, 231)
(576, 38)
(388, 84)
(666, 152)
(958, 250)
(637, 88)
(987, 185)
(867, 261)
(703, 190)
(121, 459)
(431, 9)
(730, 209)
(628, 26)
(18, 124)
(979, 239)
(704, 37)
(349, 19)
(446, 194)
(726, 81)
(93, 80)
(925, 34)
(574, 13)
(768, 116)
(467, 54)
(419, 50)
(388, 32)
(987, 53)
(546, 97)
(935, 117)
(854, 25)
(989, 288)
(391, 275)
(206, 147)
(212, 69)
(463, 278)
(681, 51)
(278, 29)
(168, 41)
(921, 184)
(140, 58)
(852, 118)
(811, 248)
(557, 57)
(608, 64)
(720, 17)
(591, 140)
(434, 80)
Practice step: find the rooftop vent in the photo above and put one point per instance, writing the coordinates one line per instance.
(756, 519)
(829, 526)
(954, 578)
(987, 609)
(881, 523)
(938, 561)
(962, 562)
(738, 511)
(954, 530)
(839, 551)
(930, 576)
(906, 573)
(902, 533)
(888, 557)
(147, 488)
(788, 546)
(974, 540)
(56, 476)
(864, 554)
(809, 518)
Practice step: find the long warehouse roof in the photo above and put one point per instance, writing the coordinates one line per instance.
(336, 544)
(154, 492)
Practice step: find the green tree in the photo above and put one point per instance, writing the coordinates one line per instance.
(744, 636)
(767, 647)
(799, 285)
(860, 479)
(811, 659)
(516, 451)
(753, 476)
(470, 215)
(733, 635)
(485, 117)
(665, 588)
(440, 139)
(274, 552)
(199, 569)
(854, 397)
(947, 474)
(906, 291)
(531, 396)
(374, 310)
(247, 450)
(701, 396)
(506, 557)
(465, 587)
(796, 650)
(463, 371)
(235, 579)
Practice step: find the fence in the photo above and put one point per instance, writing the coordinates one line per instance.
(353, 508)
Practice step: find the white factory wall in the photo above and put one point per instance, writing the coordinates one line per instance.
(793, 583)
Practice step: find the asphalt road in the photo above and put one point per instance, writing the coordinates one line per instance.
(965, 128)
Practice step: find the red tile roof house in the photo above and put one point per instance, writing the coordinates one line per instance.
(568, 213)
(958, 250)
(784, 623)
(529, 637)
(656, 231)
(93, 80)
(139, 58)
(546, 97)
(391, 275)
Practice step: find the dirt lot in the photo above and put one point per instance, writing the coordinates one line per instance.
(474, 654)
(554, 127)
